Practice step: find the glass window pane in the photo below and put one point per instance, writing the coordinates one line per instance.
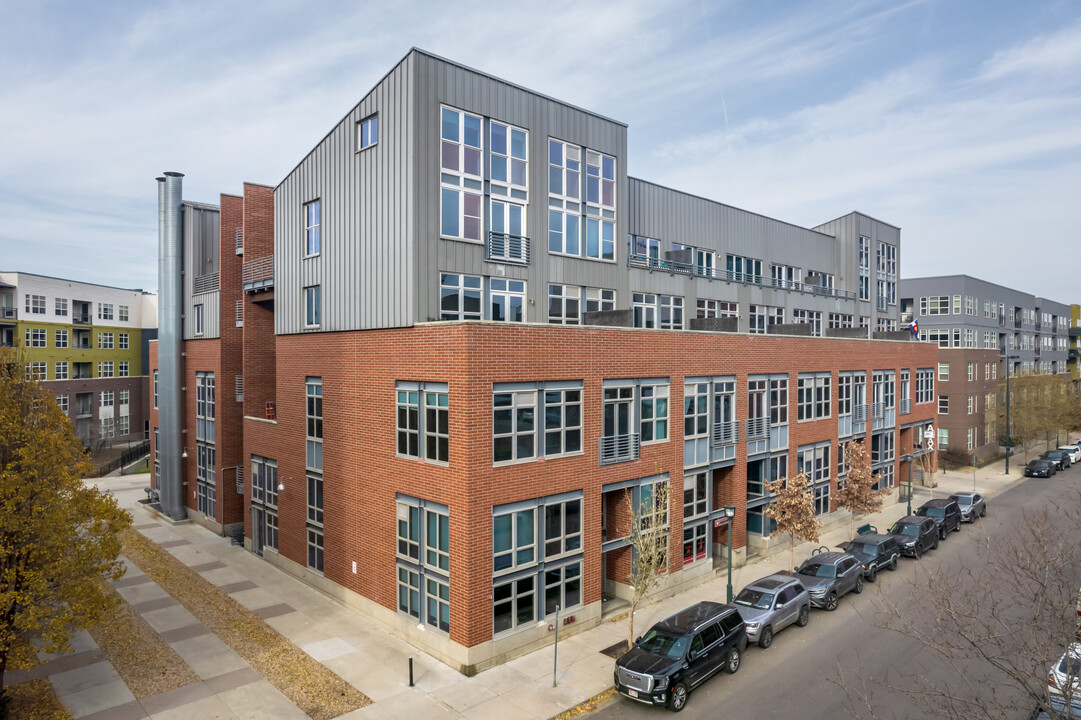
(449, 156)
(472, 131)
(449, 224)
(450, 125)
(501, 536)
(499, 138)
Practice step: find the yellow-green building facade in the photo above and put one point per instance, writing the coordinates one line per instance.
(88, 344)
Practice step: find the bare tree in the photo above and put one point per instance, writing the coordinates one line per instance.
(857, 494)
(988, 626)
(793, 510)
(648, 541)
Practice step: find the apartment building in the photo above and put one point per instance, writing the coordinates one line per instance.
(1073, 361)
(89, 345)
(470, 344)
(979, 327)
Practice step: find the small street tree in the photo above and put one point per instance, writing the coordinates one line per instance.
(648, 541)
(857, 494)
(58, 537)
(793, 510)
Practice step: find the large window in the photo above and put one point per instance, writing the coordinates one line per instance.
(459, 297)
(423, 564)
(61, 370)
(653, 412)
(205, 476)
(122, 369)
(313, 392)
(514, 426)
(122, 313)
(644, 307)
(426, 434)
(562, 421)
(312, 223)
(105, 340)
(743, 269)
(36, 338)
(564, 304)
(925, 385)
(515, 414)
(717, 309)
(35, 304)
(813, 396)
(105, 311)
(462, 175)
(935, 305)
(600, 299)
(814, 462)
(61, 338)
(105, 369)
(565, 206)
(509, 161)
(122, 341)
(62, 306)
(507, 300)
(537, 559)
(809, 317)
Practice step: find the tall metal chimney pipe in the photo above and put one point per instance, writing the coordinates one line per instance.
(170, 337)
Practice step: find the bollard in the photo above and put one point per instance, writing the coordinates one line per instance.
(410, 672)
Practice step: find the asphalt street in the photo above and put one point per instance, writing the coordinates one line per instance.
(798, 676)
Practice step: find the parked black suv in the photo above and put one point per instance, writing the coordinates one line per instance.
(915, 535)
(680, 653)
(945, 513)
(874, 551)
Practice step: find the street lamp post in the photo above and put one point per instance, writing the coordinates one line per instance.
(908, 458)
(1008, 359)
(730, 512)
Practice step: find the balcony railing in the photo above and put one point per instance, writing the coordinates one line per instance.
(757, 429)
(507, 248)
(878, 411)
(724, 433)
(240, 241)
(240, 313)
(882, 304)
(205, 284)
(240, 388)
(619, 448)
(9, 313)
(859, 413)
(675, 267)
(906, 406)
(80, 319)
(258, 274)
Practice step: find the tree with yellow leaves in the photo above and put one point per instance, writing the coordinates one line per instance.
(58, 537)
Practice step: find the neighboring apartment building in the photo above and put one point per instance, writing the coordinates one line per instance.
(89, 344)
(977, 325)
(470, 344)
(1073, 362)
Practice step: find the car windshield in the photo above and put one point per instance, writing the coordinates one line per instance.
(963, 500)
(1070, 665)
(660, 643)
(817, 569)
(909, 529)
(935, 512)
(757, 599)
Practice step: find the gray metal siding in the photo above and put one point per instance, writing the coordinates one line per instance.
(366, 228)
(440, 83)
(200, 239)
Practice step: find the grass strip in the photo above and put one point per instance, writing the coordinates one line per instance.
(143, 659)
(311, 686)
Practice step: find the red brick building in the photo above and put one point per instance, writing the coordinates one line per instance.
(445, 422)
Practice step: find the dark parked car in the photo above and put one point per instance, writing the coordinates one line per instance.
(829, 575)
(680, 653)
(1060, 458)
(874, 551)
(915, 535)
(945, 513)
(973, 505)
(1040, 468)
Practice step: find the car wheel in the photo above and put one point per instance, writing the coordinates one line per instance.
(935, 546)
(893, 563)
(733, 660)
(871, 576)
(805, 613)
(766, 639)
(859, 585)
(942, 533)
(677, 698)
(831, 602)
(983, 512)
(916, 552)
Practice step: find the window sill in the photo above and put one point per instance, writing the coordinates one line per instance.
(426, 461)
(459, 239)
(583, 257)
(366, 147)
(657, 442)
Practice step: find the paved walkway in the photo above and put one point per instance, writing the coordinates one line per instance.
(369, 658)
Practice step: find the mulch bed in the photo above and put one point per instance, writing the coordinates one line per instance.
(310, 685)
(143, 659)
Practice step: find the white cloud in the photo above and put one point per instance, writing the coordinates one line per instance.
(1057, 54)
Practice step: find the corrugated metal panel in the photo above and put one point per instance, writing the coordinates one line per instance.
(200, 242)
(365, 204)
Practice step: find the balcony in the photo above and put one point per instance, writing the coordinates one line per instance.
(757, 429)
(878, 411)
(859, 413)
(674, 267)
(619, 448)
(258, 274)
(724, 433)
(81, 319)
(503, 247)
(9, 313)
(906, 406)
(882, 304)
(80, 371)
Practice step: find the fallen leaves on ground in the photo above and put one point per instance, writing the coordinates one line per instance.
(35, 700)
(143, 659)
(311, 686)
(588, 706)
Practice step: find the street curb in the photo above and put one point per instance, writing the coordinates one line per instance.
(593, 704)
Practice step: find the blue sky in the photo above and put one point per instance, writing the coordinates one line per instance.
(958, 120)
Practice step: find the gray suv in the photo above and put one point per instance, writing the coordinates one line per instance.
(829, 575)
(770, 605)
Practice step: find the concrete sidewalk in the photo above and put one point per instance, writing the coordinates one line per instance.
(369, 658)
